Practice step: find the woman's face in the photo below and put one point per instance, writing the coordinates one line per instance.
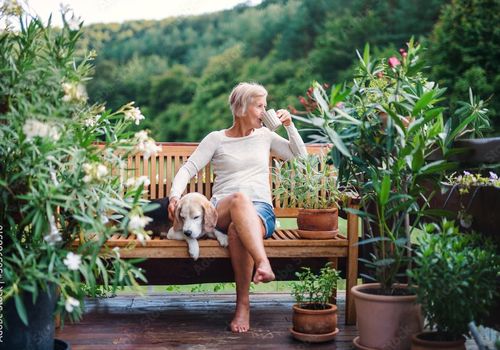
(255, 110)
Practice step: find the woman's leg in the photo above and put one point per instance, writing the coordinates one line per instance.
(242, 263)
(239, 210)
(241, 258)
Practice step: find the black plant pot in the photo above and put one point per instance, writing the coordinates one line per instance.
(39, 334)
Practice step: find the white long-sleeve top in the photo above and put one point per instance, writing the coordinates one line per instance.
(240, 164)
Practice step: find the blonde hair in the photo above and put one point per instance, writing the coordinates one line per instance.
(242, 95)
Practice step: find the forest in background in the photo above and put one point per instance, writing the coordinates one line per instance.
(180, 70)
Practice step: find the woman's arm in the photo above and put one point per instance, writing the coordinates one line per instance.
(200, 157)
(287, 149)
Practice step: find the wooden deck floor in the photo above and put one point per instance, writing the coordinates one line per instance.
(190, 321)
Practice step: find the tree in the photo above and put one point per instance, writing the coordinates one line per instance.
(465, 49)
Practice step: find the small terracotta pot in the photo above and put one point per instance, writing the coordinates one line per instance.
(310, 321)
(386, 322)
(318, 220)
(423, 341)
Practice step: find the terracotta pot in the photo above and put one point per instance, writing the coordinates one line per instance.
(322, 221)
(310, 321)
(386, 322)
(424, 341)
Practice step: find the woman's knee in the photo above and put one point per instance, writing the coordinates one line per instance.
(238, 199)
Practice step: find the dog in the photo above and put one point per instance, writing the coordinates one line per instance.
(195, 218)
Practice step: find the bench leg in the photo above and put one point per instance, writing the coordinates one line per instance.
(352, 267)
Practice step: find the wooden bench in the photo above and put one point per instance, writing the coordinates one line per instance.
(284, 243)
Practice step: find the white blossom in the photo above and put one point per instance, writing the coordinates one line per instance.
(138, 223)
(141, 136)
(134, 114)
(73, 261)
(74, 92)
(101, 171)
(54, 235)
(33, 128)
(493, 176)
(71, 303)
(148, 148)
(74, 22)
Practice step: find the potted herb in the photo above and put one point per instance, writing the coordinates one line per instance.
(55, 183)
(310, 183)
(455, 279)
(384, 126)
(314, 317)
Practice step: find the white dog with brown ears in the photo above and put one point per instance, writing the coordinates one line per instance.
(195, 217)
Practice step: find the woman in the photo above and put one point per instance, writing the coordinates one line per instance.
(241, 192)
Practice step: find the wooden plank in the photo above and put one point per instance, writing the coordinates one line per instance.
(352, 264)
(161, 174)
(154, 177)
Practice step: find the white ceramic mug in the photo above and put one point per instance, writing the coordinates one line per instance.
(271, 120)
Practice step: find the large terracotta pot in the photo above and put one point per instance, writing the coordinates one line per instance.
(311, 321)
(424, 341)
(318, 223)
(385, 322)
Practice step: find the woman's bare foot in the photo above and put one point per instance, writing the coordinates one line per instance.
(263, 273)
(241, 320)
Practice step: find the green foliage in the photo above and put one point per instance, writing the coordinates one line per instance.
(455, 278)
(384, 132)
(280, 44)
(464, 47)
(315, 289)
(55, 184)
(308, 182)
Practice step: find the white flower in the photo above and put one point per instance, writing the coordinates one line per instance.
(74, 92)
(11, 8)
(54, 235)
(134, 114)
(94, 171)
(74, 23)
(130, 182)
(90, 122)
(138, 223)
(73, 261)
(148, 148)
(71, 303)
(493, 176)
(33, 128)
(141, 136)
(466, 173)
(101, 171)
(142, 181)
(140, 237)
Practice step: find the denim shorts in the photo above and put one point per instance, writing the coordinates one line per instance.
(266, 213)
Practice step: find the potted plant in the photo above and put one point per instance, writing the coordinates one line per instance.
(314, 317)
(310, 183)
(384, 127)
(455, 279)
(55, 186)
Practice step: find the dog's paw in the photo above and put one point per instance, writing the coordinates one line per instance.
(194, 252)
(222, 238)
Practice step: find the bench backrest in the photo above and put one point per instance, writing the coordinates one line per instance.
(162, 168)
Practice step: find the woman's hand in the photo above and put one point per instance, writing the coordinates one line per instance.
(284, 116)
(171, 208)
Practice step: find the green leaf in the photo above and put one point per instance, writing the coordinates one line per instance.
(21, 311)
(385, 190)
(337, 141)
(423, 102)
(438, 166)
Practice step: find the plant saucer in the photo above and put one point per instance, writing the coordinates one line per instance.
(314, 338)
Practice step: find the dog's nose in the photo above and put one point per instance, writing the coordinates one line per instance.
(188, 233)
